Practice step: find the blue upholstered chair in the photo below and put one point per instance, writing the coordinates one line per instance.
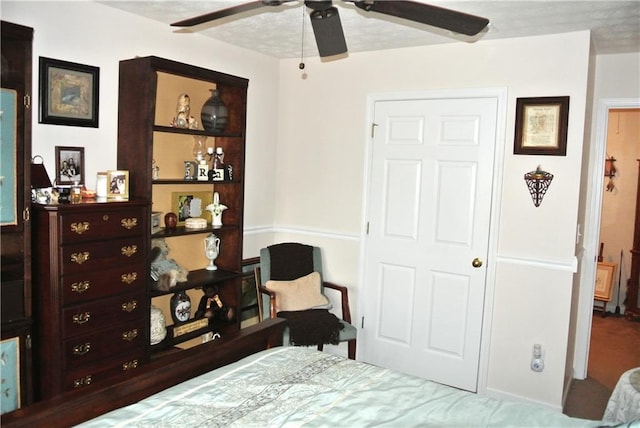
(290, 262)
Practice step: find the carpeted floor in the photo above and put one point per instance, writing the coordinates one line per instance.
(614, 349)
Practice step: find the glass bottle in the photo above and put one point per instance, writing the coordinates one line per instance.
(199, 147)
(76, 193)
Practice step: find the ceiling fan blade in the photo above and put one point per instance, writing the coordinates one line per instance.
(328, 31)
(212, 16)
(447, 19)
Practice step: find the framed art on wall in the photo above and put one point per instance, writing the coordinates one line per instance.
(69, 93)
(541, 126)
(69, 165)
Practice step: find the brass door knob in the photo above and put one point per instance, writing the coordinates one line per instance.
(476, 263)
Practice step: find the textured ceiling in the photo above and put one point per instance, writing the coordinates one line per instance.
(277, 31)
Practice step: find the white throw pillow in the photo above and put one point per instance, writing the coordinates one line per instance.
(299, 294)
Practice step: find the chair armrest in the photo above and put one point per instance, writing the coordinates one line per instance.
(272, 300)
(264, 290)
(344, 294)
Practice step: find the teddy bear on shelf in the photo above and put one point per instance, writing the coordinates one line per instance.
(211, 306)
(165, 272)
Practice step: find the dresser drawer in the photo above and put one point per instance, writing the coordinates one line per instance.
(92, 226)
(100, 344)
(125, 364)
(85, 286)
(88, 317)
(96, 256)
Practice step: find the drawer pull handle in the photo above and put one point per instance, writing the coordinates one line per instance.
(105, 217)
(80, 287)
(129, 223)
(133, 364)
(80, 258)
(81, 318)
(83, 381)
(129, 250)
(130, 306)
(129, 277)
(80, 228)
(130, 335)
(82, 349)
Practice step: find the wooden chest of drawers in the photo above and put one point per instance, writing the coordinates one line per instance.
(91, 309)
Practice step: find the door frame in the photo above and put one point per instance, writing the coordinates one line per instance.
(500, 93)
(592, 230)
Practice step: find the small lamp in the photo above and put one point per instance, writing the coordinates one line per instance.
(39, 180)
(538, 182)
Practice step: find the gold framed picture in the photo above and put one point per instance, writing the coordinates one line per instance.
(604, 281)
(190, 205)
(118, 185)
(541, 126)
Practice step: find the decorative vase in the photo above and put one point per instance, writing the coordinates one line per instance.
(158, 328)
(170, 221)
(216, 209)
(211, 250)
(214, 113)
(180, 307)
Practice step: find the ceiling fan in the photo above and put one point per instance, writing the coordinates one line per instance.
(327, 27)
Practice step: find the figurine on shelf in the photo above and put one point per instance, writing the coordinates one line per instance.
(212, 307)
(183, 118)
(154, 169)
(216, 209)
(165, 272)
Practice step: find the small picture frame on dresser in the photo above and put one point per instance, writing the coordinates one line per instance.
(118, 185)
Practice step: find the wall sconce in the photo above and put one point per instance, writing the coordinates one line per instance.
(538, 183)
(610, 171)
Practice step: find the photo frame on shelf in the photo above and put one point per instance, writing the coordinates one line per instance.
(69, 93)
(118, 185)
(69, 165)
(190, 205)
(541, 126)
(604, 281)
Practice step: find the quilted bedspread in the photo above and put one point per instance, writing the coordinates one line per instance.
(294, 386)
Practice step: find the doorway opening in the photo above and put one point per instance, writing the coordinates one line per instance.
(596, 190)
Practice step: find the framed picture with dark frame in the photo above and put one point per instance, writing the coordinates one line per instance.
(541, 126)
(69, 93)
(604, 281)
(69, 165)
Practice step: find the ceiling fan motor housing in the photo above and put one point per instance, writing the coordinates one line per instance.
(327, 29)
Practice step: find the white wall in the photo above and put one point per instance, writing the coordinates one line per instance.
(306, 158)
(320, 183)
(93, 34)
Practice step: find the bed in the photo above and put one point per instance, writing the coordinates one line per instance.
(295, 386)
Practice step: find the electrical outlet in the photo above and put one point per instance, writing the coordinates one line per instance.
(537, 360)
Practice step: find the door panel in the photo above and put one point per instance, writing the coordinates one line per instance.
(432, 169)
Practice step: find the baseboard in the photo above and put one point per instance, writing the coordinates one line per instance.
(494, 393)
